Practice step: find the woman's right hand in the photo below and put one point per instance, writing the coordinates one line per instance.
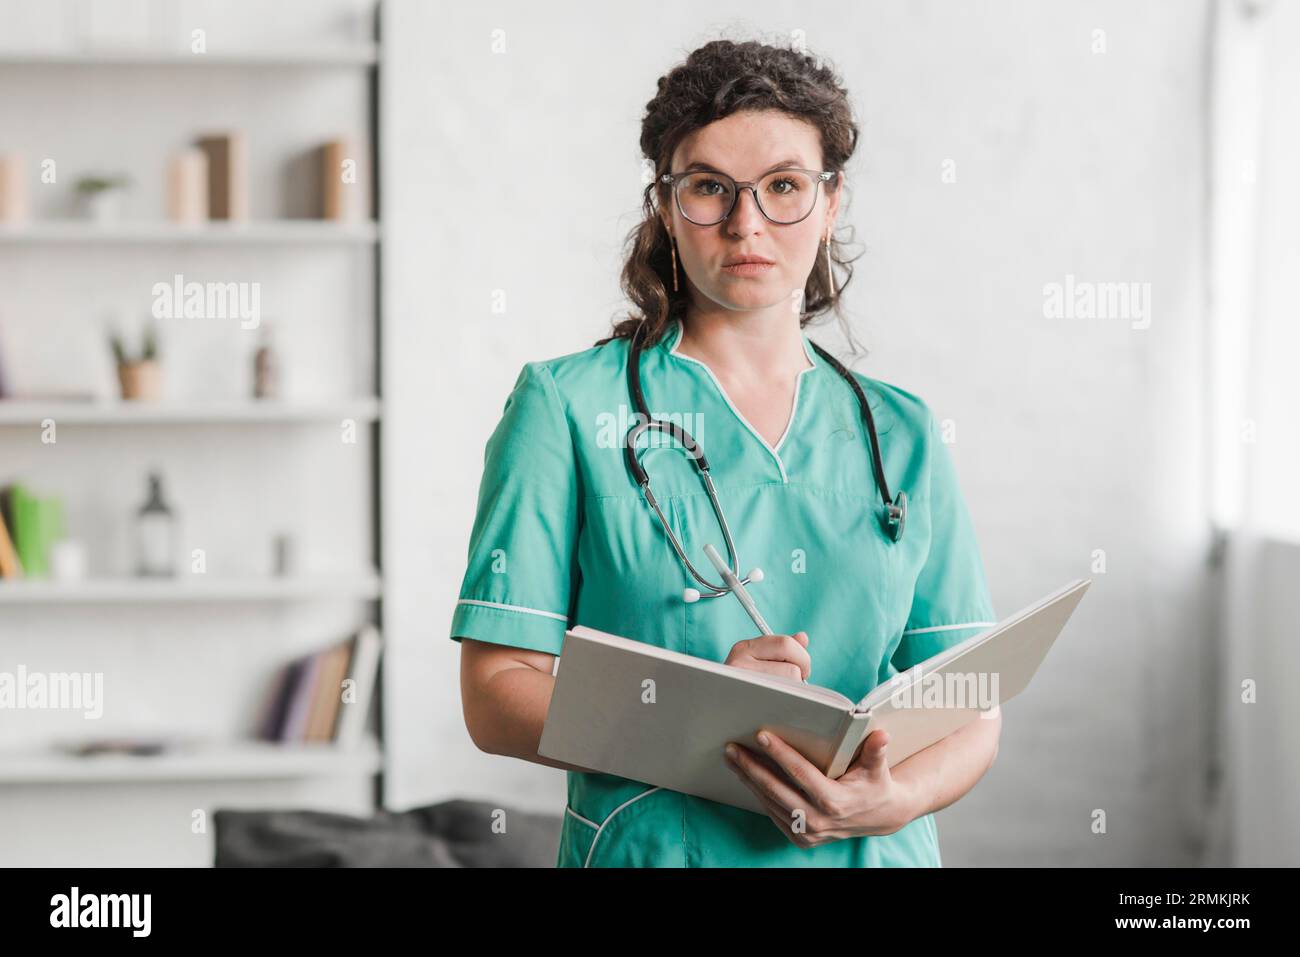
(783, 655)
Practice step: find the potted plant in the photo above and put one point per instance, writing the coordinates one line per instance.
(140, 378)
(101, 196)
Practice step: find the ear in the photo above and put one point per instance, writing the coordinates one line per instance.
(833, 206)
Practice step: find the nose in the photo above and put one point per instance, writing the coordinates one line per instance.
(745, 217)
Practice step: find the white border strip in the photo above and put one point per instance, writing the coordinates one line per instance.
(969, 624)
(798, 381)
(731, 405)
(605, 823)
(591, 824)
(528, 611)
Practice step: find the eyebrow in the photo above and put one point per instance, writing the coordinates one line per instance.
(708, 168)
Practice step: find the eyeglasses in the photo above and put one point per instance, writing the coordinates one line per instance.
(784, 196)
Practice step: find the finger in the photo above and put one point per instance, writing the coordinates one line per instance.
(873, 757)
(805, 775)
(801, 637)
(782, 648)
(771, 780)
(765, 761)
(784, 819)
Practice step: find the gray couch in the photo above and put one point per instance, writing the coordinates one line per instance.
(451, 834)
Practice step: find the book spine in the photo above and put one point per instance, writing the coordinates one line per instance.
(852, 731)
(335, 193)
(330, 699)
(9, 564)
(363, 670)
(295, 724)
(26, 531)
(227, 175)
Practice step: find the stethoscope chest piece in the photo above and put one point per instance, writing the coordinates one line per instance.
(895, 516)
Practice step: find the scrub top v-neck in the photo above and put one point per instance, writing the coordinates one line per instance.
(563, 537)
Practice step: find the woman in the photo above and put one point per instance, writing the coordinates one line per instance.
(735, 256)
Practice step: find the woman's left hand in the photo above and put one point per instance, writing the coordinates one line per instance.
(812, 809)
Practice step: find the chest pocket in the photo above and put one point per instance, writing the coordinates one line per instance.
(643, 830)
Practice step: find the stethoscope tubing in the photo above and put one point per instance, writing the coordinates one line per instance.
(895, 510)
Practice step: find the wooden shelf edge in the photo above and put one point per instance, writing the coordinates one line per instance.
(362, 587)
(233, 761)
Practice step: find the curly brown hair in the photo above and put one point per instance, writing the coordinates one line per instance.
(717, 79)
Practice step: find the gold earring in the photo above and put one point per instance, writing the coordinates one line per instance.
(830, 277)
(673, 240)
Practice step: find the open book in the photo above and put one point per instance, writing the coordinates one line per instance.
(632, 709)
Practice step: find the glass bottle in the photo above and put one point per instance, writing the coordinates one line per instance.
(155, 534)
(266, 367)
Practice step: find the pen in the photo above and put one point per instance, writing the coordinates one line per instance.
(738, 590)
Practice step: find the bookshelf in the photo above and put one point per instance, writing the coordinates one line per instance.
(153, 627)
(30, 413)
(194, 589)
(233, 760)
(268, 232)
(342, 55)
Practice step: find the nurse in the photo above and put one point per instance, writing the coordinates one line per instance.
(735, 257)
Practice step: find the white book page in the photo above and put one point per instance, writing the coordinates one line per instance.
(789, 685)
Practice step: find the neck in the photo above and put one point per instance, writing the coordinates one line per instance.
(745, 345)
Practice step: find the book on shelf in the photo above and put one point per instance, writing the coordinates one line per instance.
(277, 712)
(227, 155)
(340, 194)
(329, 691)
(10, 566)
(300, 702)
(363, 672)
(311, 702)
(30, 526)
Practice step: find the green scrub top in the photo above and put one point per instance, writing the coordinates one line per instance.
(563, 536)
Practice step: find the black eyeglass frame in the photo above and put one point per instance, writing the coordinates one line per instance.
(672, 179)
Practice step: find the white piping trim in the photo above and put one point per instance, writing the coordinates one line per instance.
(528, 611)
(969, 624)
(798, 381)
(581, 818)
(600, 830)
(794, 408)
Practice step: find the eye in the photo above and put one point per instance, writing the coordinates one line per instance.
(784, 185)
(706, 187)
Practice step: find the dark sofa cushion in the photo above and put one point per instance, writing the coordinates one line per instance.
(451, 834)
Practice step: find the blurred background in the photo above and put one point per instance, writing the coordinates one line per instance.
(269, 270)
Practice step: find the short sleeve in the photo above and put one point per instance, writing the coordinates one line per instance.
(951, 601)
(520, 580)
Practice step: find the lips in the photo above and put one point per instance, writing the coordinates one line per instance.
(753, 266)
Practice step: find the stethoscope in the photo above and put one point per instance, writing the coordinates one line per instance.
(892, 518)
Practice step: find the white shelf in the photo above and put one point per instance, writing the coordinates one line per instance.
(32, 412)
(232, 761)
(361, 54)
(282, 231)
(224, 759)
(191, 588)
